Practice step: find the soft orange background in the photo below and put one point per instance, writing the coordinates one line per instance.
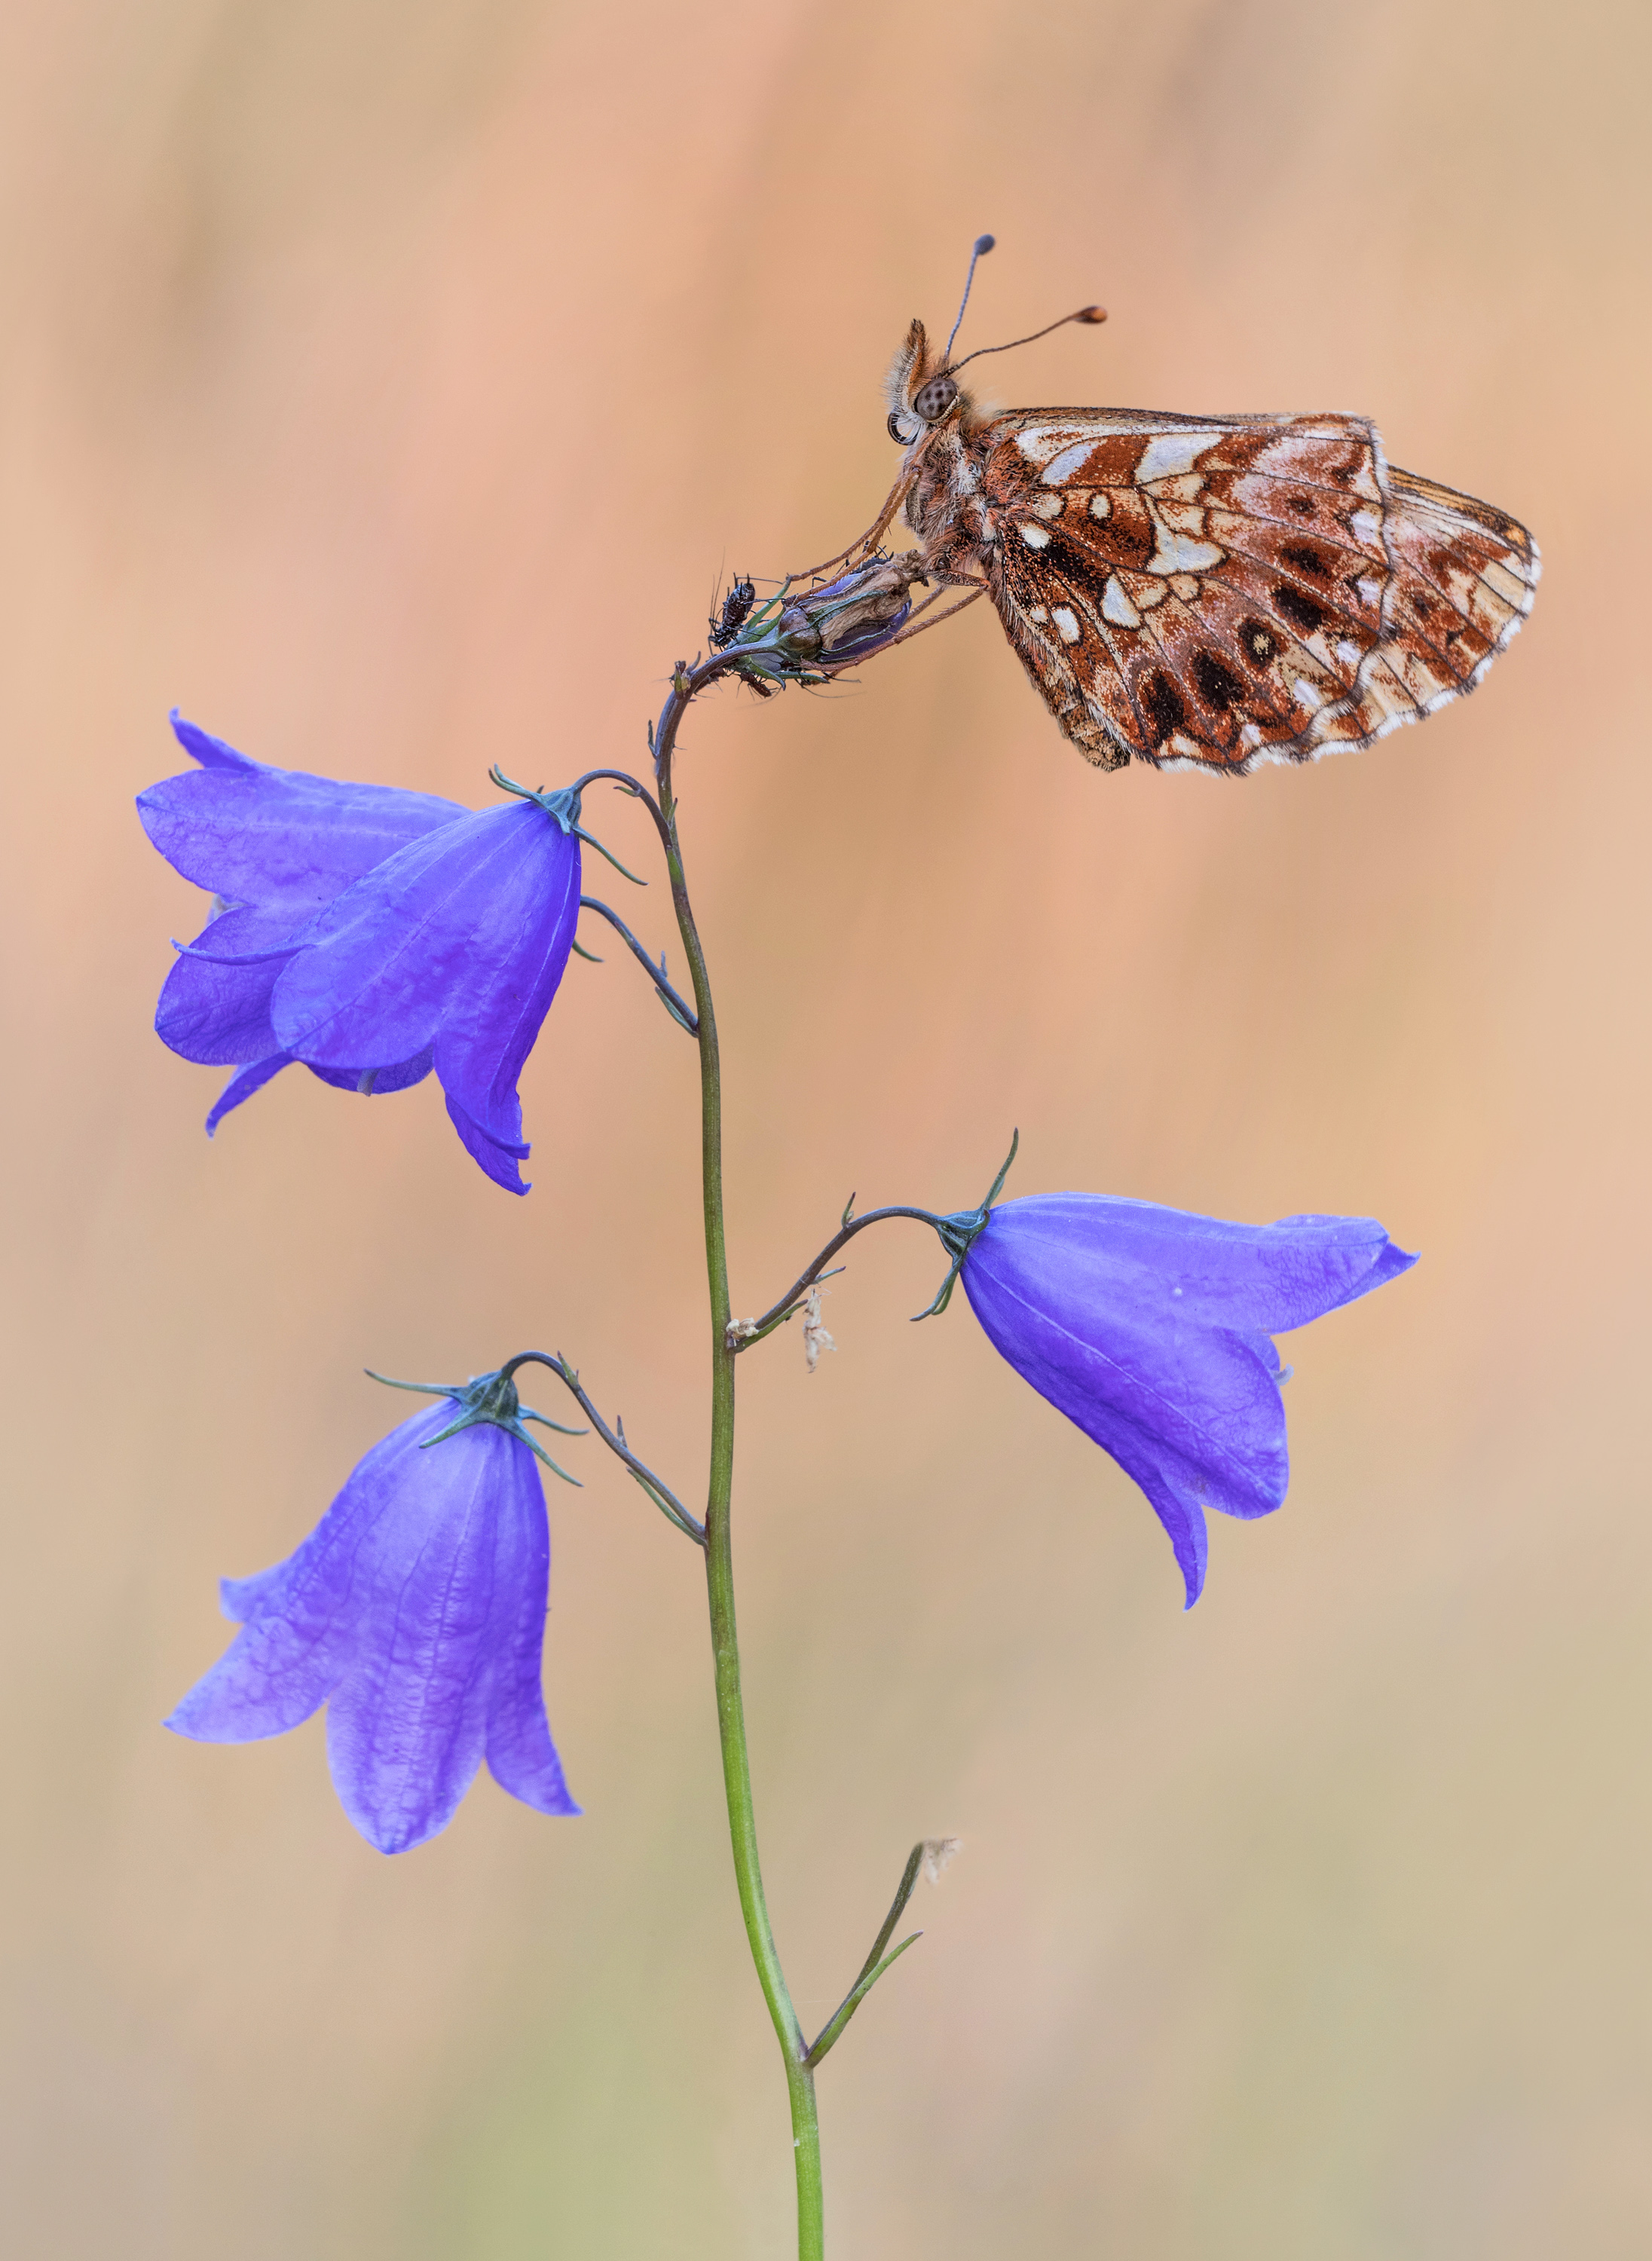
(388, 385)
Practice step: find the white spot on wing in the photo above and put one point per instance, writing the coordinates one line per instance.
(1365, 525)
(1306, 695)
(1116, 607)
(1046, 440)
(1101, 504)
(1070, 460)
(1036, 537)
(1038, 612)
(1180, 553)
(1066, 624)
(1368, 589)
(1169, 455)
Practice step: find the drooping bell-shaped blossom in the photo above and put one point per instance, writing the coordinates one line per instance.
(415, 1611)
(369, 933)
(1152, 1329)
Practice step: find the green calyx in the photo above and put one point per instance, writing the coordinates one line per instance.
(490, 1399)
(961, 1230)
(564, 806)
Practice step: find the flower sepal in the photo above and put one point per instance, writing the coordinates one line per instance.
(564, 806)
(490, 1398)
(960, 1230)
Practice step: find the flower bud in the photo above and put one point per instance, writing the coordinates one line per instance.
(845, 620)
(800, 638)
(862, 610)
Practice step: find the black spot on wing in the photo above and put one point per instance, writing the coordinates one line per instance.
(1261, 645)
(1162, 702)
(1298, 608)
(1215, 682)
(1307, 560)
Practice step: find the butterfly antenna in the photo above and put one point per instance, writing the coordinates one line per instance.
(983, 245)
(1084, 314)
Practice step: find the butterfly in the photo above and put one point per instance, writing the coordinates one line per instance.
(1204, 592)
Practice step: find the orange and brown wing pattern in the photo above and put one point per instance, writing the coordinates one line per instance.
(1213, 592)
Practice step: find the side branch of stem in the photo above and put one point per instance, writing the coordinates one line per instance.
(679, 1009)
(662, 1495)
(750, 1331)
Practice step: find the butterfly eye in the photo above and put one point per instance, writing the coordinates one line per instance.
(932, 400)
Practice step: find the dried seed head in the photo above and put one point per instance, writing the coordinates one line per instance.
(939, 1853)
(815, 1338)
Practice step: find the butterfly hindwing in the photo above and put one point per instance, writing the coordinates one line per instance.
(1216, 592)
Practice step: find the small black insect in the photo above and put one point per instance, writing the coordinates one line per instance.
(736, 606)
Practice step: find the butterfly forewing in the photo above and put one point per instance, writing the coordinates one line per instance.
(1219, 591)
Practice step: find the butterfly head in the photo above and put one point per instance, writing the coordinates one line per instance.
(923, 390)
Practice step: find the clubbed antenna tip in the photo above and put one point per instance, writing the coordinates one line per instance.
(982, 244)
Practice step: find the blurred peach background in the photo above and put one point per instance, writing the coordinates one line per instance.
(388, 387)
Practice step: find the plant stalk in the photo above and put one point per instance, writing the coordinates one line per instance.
(732, 1729)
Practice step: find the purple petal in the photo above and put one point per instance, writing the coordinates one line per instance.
(481, 1051)
(300, 1630)
(384, 1080)
(1150, 1329)
(212, 753)
(496, 1161)
(279, 839)
(1164, 1263)
(408, 1725)
(520, 1755)
(218, 1013)
(433, 933)
(460, 940)
(1194, 1417)
(240, 1088)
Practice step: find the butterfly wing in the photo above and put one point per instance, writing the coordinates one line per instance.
(1215, 591)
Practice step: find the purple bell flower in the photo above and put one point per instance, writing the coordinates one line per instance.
(1151, 1329)
(415, 1611)
(369, 933)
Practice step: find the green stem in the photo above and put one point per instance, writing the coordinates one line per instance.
(731, 1727)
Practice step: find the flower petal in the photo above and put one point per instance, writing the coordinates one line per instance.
(217, 1013)
(520, 1755)
(240, 1088)
(461, 940)
(1151, 1329)
(481, 1051)
(449, 928)
(212, 753)
(384, 1079)
(300, 1617)
(1164, 1263)
(1196, 1420)
(496, 1160)
(407, 1726)
(1203, 1392)
(279, 839)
